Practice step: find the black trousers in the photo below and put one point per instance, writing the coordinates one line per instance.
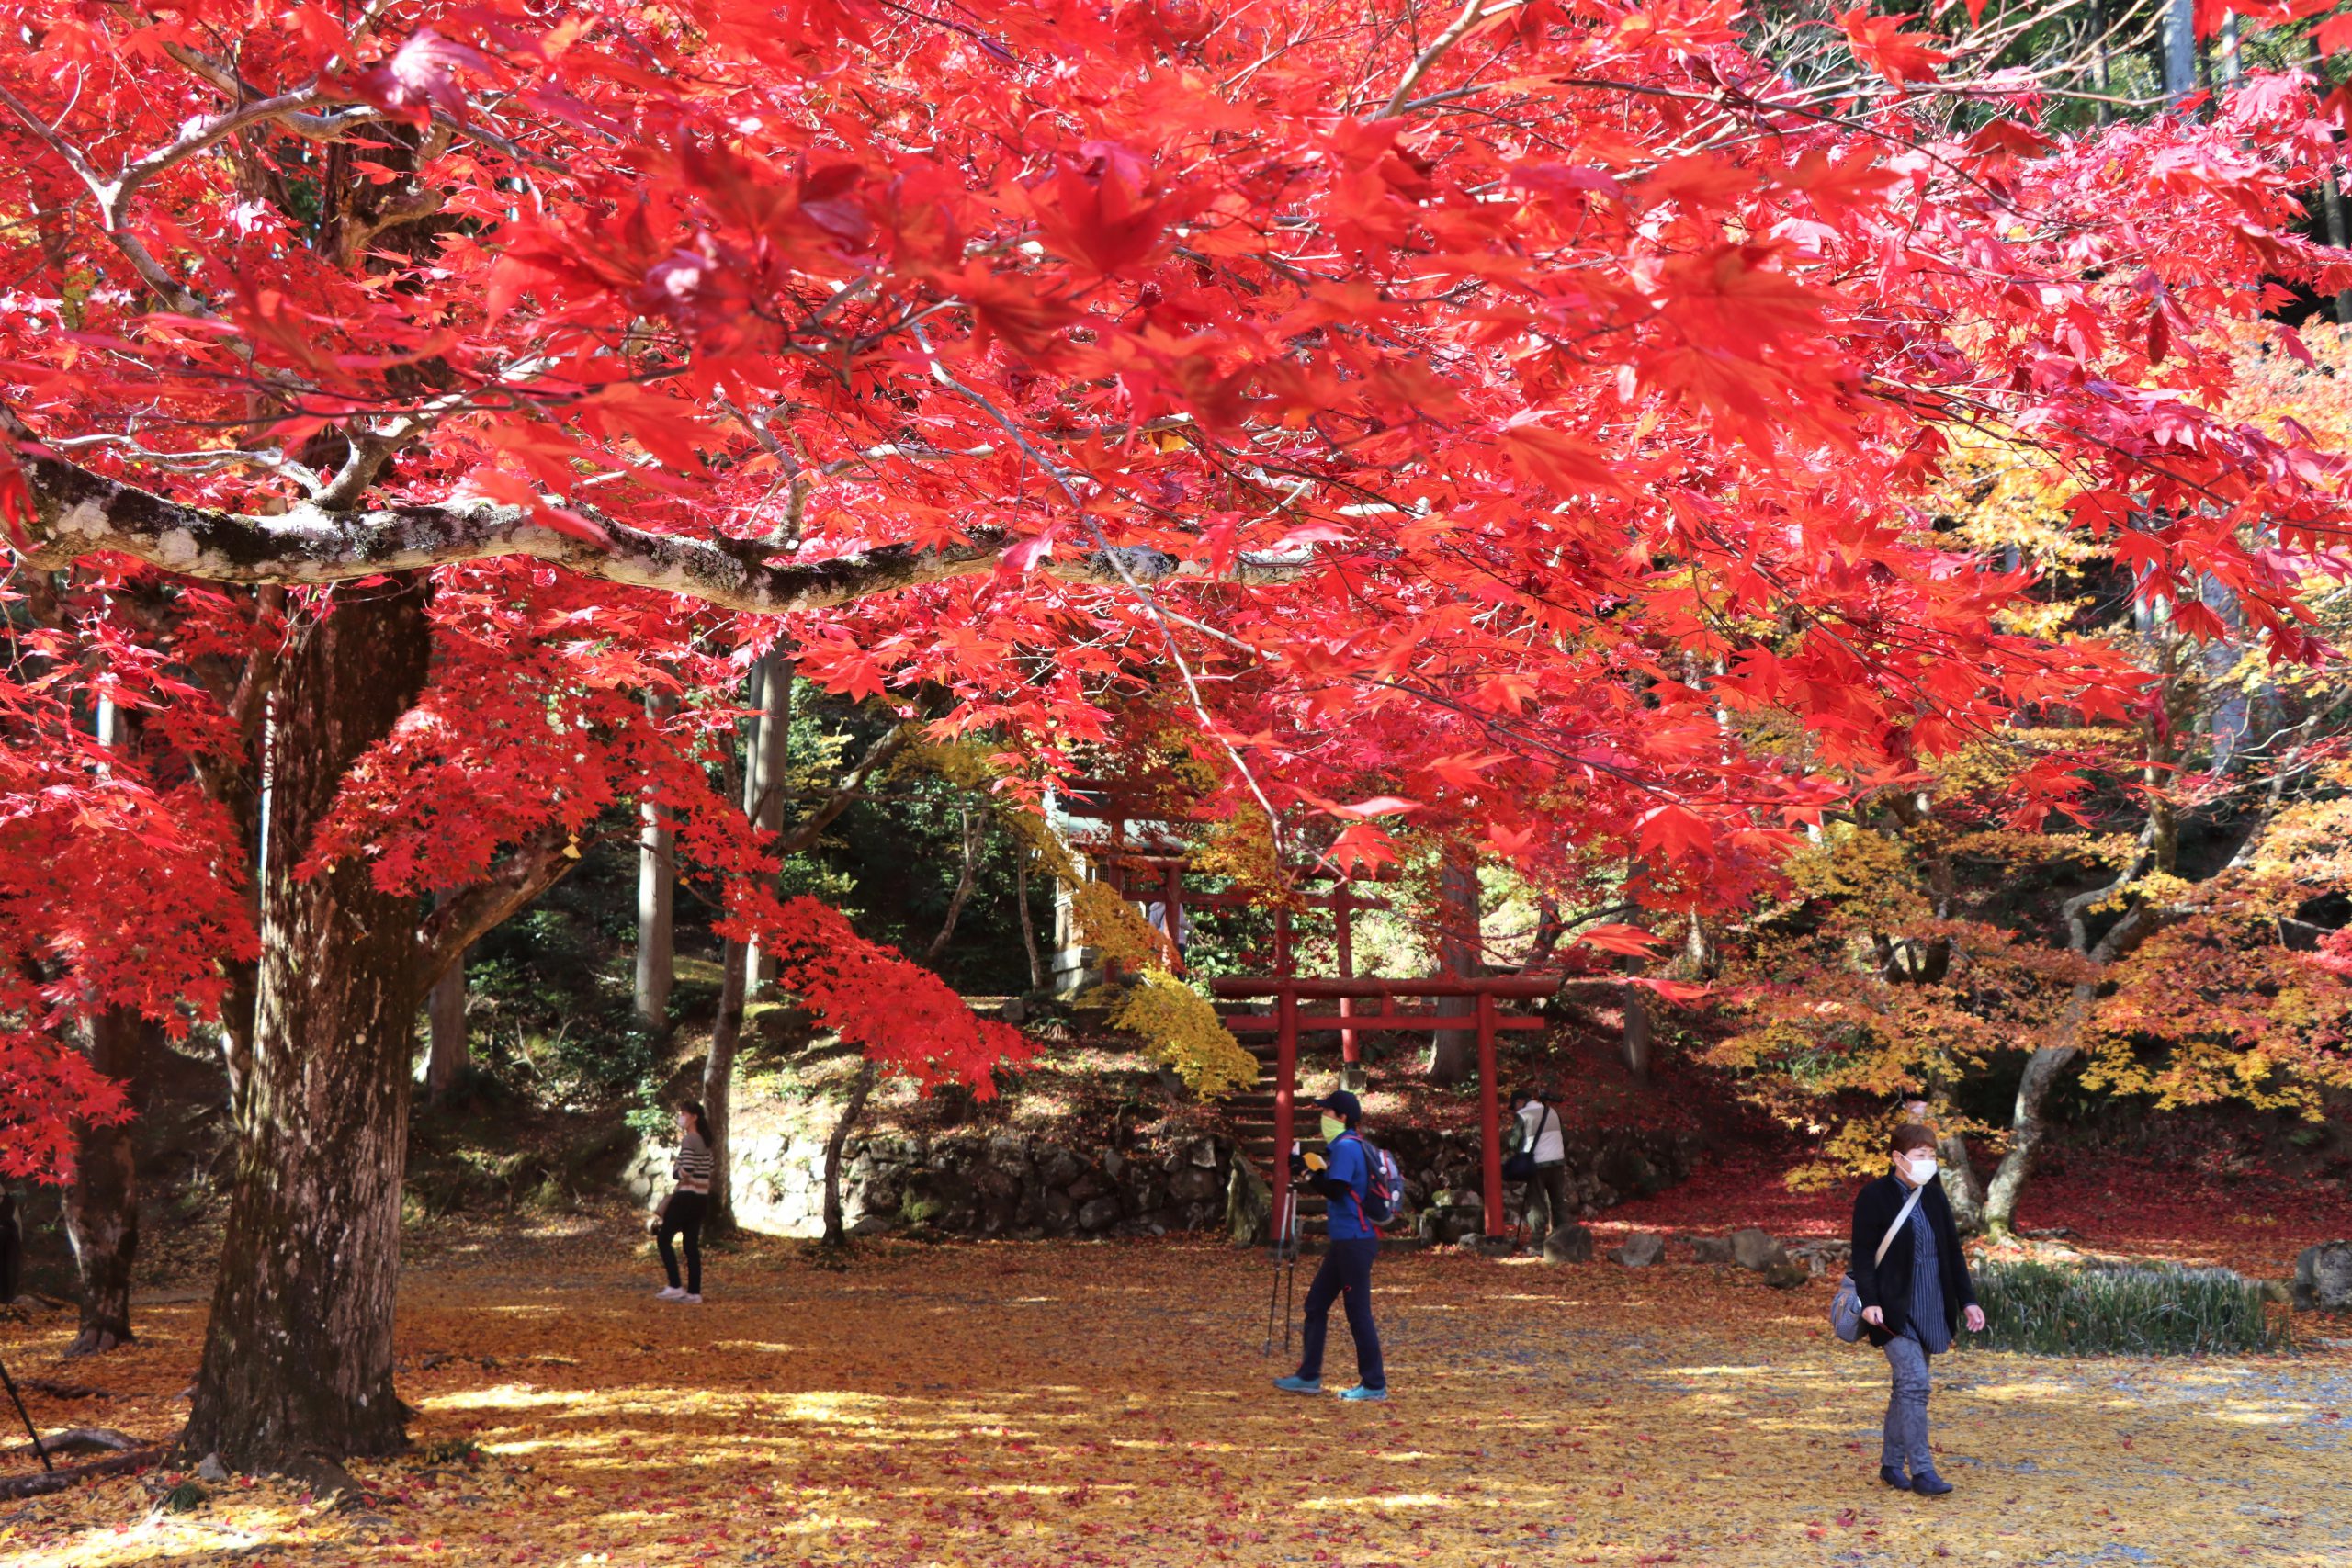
(682, 1216)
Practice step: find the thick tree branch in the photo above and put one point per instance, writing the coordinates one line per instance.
(78, 512)
(804, 834)
(535, 866)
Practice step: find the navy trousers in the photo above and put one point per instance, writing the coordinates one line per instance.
(1346, 1271)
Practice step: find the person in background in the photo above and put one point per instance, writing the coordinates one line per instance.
(1539, 1136)
(1346, 1270)
(1914, 1300)
(682, 1212)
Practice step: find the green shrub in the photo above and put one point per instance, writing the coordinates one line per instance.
(2123, 1310)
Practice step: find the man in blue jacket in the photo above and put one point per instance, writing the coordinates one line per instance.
(1347, 1267)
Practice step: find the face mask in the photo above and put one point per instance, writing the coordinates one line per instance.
(1922, 1170)
(1332, 1128)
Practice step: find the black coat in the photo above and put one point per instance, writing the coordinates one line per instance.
(1887, 1286)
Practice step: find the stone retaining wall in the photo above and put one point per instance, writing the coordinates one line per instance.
(1002, 1184)
(980, 1184)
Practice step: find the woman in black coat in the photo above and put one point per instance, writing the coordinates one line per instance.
(1914, 1300)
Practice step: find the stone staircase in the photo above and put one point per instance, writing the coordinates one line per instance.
(1250, 1113)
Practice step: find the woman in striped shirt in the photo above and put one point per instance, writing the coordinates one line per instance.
(682, 1215)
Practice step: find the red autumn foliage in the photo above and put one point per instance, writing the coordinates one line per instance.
(1565, 459)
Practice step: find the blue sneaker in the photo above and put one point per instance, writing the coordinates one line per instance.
(1928, 1483)
(1300, 1386)
(1894, 1477)
(1360, 1391)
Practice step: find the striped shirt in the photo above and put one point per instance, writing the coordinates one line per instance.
(1927, 1321)
(691, 1170)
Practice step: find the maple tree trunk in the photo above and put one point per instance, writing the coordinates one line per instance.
(835, 1235)
(656, 898)
(975, 838)
(298, 1358)
(2028, 1126)
(1452, 1050)
(1028, 924)
(1962, 1191)
(102, 1206)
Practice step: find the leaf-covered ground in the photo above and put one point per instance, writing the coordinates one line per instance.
(2114, 1205)
(1108, 1403)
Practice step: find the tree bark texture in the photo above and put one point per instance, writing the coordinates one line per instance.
(766, 762)
(78, 512)
(2029, 1121)
(2029, 1124)
(298, 1358)
(835, 1235)
(657, 884)
(762, 800)
(444, 1011)
(1962, 1191)
(1453, 1051)
(2180, 49)
(1028, 923)
(102, 1205)
(1637, 1027)
(718, 1084)
(976, 839)
(447, 1054)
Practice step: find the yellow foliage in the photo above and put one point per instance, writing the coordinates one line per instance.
(966, 762)
(1864, 870)
(1243, 847)
(1181, 1031)
(1814, 1176)
(1111, 925)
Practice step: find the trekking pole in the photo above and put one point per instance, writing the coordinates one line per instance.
(25, 1416)
(1290, 1265)
(1274, 1281)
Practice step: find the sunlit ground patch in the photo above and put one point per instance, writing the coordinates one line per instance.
(1049, 1405)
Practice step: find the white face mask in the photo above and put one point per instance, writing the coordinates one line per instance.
(1921, 1169)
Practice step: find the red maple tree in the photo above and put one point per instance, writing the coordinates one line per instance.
(1526, 418)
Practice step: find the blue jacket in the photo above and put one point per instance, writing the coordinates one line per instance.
(1346, 1184)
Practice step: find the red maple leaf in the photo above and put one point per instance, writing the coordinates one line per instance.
(1879, 43)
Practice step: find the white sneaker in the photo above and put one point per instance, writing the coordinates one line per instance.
(670, 1293)
(691, 1301)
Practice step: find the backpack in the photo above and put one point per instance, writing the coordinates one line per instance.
(1384, 1184)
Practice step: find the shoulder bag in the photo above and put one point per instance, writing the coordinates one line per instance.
(1846, 1304)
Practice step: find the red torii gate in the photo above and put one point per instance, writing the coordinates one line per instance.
(1286, 1023)
(1145, 870)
